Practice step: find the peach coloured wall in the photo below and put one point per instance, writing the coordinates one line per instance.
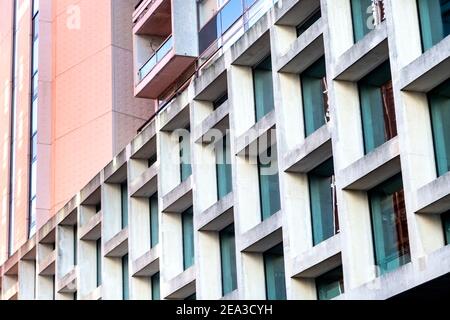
(5, 93)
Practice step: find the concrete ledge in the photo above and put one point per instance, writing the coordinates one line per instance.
(248, 141)
(91, 193)
(28, 250)
(434, 197)
(68, 283)
(116, 170)
(12, 293)
(429, 70)
(264, 236)
(407, 277)
(47, 265)
(143, 146)
(47, 234)
(148, 264)
(305, 50)
(316, 149)
(318, 260)
(218, 216)
(67, 216)
(92, 230)
(254, 45)
(117, 247)
(94, 295)
(145, 185)
(212, 81)
(218, 120)
(11, 266)
(363, 57)
(182, 286)
(294, 12)
(375, 168)
(176, 115)
(179, 199)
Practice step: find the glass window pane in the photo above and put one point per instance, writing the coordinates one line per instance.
(228, 260)
(434, 18)
(154, 220)
(314, 96)
(363, 20)
(33, 179)
(34, 115)
(446, 224)
(230, 13)
(439, 101)
(125, 279)
(274, 273)
(269, 188)
(223, 168)
(124, 204)
(75, 245)
(389, 225)
(188, 238)
(377, 107)
(99, 262)
(330, 285)
(185, 158)
(263, 88)
(32, 226)
(156, 287)
(322, 198)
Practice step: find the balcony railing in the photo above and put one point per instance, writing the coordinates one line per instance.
(226, 17)
(160, 53)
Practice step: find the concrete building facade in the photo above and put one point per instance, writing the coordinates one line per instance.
(299, 150)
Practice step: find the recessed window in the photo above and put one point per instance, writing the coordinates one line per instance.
(274, 273)
(363, 18)
(315, 96)
(124, 204)
(389, 225)
(434, 16)
(185, 157)
(446, 224)
(98, 245)
(269, 189)
(125, 279)
(155, 287)
(263, 88)
(228, 259)
(439, 101)
(154, 220)
(330, 285)
(305, 25)
(187, 218)
(323, 201)
(377, 107)
(223, 167)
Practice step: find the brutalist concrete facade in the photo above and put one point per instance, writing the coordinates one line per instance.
(150, 165)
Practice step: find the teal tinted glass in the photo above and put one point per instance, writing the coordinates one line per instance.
(269, 184)
(228, 260)
(314, 96)
(362, 18)
(263, 88)
(223, 168)
(185, 158)
(99, 261)
(322, 199)
(330, 285)
(439, 101)
(434, 18)
(154, 220)
(125, 279)
(124, 204)
(155, 287)
(274, 273)
(389, 225)
(446, 224)
(377, 107)
(188, 238)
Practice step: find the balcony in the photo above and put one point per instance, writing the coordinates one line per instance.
(153, 17)
(165, 47)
